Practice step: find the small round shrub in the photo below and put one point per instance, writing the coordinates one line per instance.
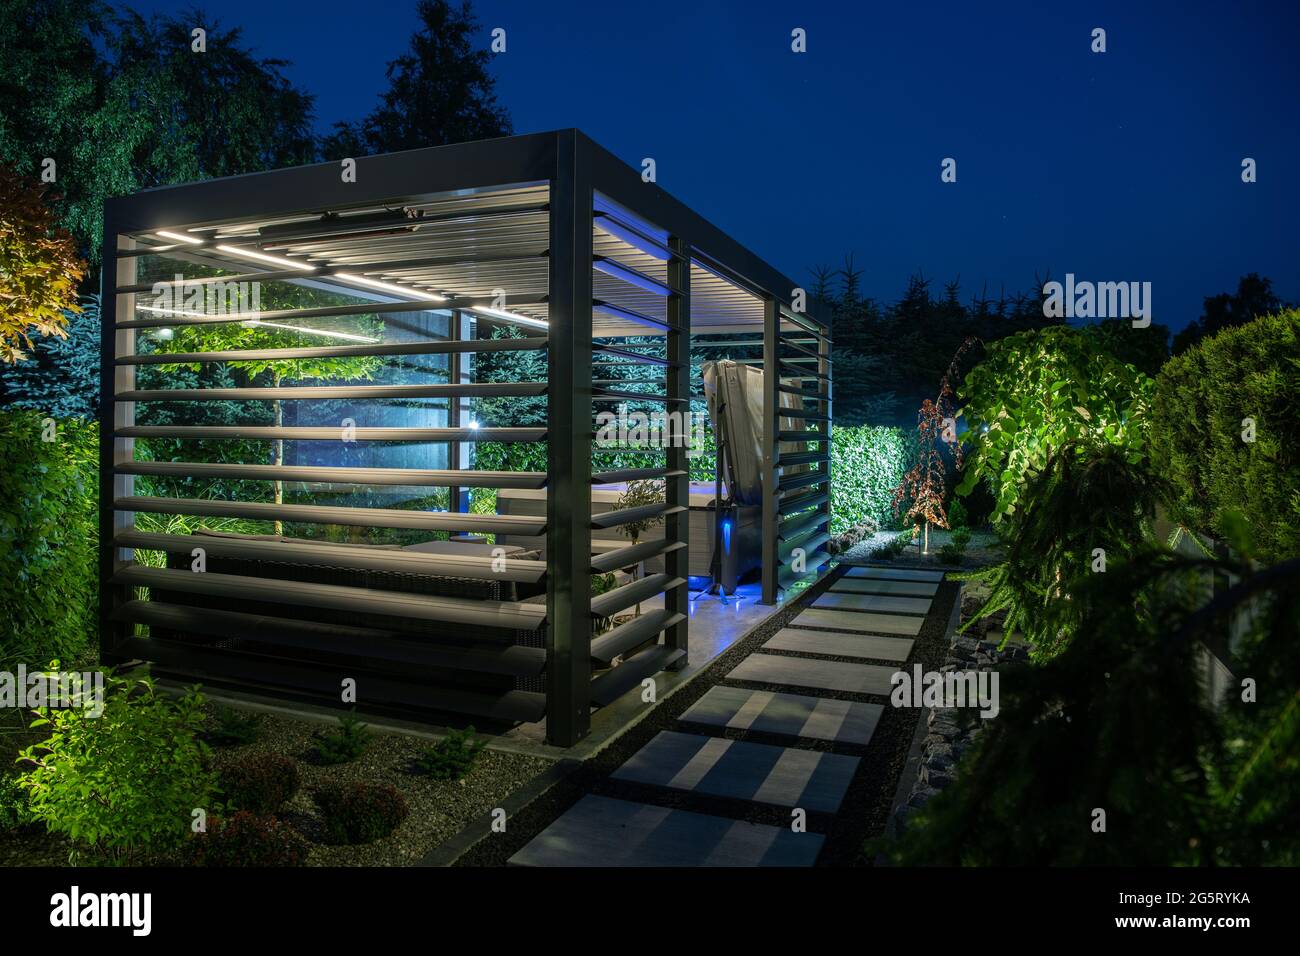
(260, 783)
(359, 812)
(14, 813)
(249, 839)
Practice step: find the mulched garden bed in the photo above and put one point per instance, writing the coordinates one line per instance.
(438, 809)
(865, 809)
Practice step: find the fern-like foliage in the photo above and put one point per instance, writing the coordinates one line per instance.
(1089, 509)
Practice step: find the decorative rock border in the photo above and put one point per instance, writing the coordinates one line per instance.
(947, 735)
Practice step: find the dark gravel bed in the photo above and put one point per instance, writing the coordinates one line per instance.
(866, 806)
(438, 809)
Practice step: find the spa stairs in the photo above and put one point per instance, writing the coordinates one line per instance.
(788, 690)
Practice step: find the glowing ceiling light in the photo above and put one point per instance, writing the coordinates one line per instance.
(510, 316)
(263, 257)
(388, 287)
(179, 237)
(151, 308)
(308, 331)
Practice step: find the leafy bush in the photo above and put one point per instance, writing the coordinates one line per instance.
(957, 517)
(954, 552)
(246, 839)
(1037, 391)
(122, 785)
(867, 464)
(359, 812)
(260, 783)
(1120, 720)
(345, 744)
(1201, 399)
(232, 728)
(1083, 499)
(48, 533)
(14, 812)
(452, 757)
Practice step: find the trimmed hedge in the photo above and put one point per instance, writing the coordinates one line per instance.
(1201, 399)
(48, 536)
(867, 464)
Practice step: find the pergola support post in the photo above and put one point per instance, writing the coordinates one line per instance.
(677, 486)
(771, 379)
(569, 424)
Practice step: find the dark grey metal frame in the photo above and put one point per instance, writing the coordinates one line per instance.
(575, 168)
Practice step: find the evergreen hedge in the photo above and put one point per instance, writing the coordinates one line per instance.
(1202, 398)
(867, 463)
(48, 537)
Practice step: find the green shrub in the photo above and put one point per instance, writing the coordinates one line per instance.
(957, 515)
(1201, 399)
(122, 785)
(1037, 391)
(452, 757)
(954, 552)
(260, 783)
(14, 812)
(48, 534)
(359, 812)
(232, 728)
(867, 464)
(345, 744)
(247, 839)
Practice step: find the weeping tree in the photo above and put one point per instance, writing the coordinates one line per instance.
(924, 486)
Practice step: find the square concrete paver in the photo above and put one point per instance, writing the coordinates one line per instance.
(761, 773)
(862, 622)
(790, 715)
(600, 831)
(848, 585)
(887, 603)
(818, 675)
(895, 574)
(866, 646)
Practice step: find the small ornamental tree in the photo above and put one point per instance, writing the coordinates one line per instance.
(39, 268)
(924, 484)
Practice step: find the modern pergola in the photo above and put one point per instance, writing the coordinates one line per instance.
(388, 273)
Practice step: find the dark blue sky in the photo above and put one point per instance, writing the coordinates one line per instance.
(1116, 166)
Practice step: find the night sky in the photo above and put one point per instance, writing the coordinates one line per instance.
(1121, 166)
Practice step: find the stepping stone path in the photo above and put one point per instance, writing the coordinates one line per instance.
(868, 614)
(786, 715)
(847, 585)
(873, 602)
(781, 776)
(598, 831)
(863, 622)
(835, 644)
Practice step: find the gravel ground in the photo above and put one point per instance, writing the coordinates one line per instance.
(984, 549)
(438, 809)
(866, 806)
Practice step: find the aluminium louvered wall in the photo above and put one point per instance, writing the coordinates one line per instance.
(586, 252)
